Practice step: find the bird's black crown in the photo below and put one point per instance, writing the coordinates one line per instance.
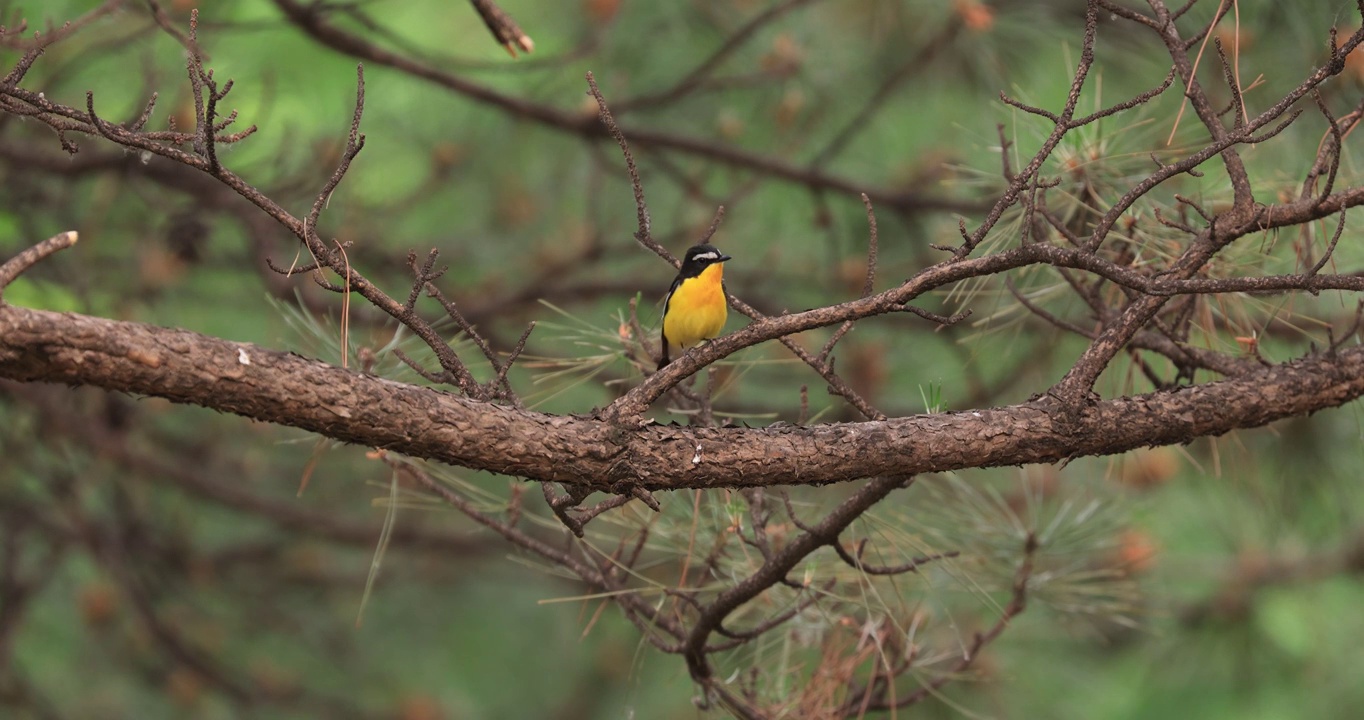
(699, 257)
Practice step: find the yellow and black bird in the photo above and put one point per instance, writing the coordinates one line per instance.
(695, 308)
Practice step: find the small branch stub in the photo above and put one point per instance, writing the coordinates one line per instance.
(20, 263)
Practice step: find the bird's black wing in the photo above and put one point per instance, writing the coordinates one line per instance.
(663, 325)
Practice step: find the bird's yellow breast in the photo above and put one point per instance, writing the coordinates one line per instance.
(696, 310)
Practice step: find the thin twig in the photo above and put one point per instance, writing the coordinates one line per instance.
(503, 27)
(15, 266)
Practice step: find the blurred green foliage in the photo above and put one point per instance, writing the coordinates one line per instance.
(1213, 546)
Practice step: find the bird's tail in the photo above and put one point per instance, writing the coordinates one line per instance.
(663, 348)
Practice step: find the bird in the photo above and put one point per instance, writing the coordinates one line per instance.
(695, 308)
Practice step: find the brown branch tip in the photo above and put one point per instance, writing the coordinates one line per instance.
(17, 265)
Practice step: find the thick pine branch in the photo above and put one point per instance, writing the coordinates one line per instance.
(287, 389)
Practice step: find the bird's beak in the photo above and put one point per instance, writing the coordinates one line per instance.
(724, 258)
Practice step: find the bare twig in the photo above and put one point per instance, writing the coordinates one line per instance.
(503, 27)
(15, 266)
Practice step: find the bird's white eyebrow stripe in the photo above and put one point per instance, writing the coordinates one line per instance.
(706, 256)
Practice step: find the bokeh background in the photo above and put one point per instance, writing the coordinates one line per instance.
(164, 562)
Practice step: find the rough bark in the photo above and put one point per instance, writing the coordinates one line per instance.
(591, 452)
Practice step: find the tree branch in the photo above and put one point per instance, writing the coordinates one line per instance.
(287, 389)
